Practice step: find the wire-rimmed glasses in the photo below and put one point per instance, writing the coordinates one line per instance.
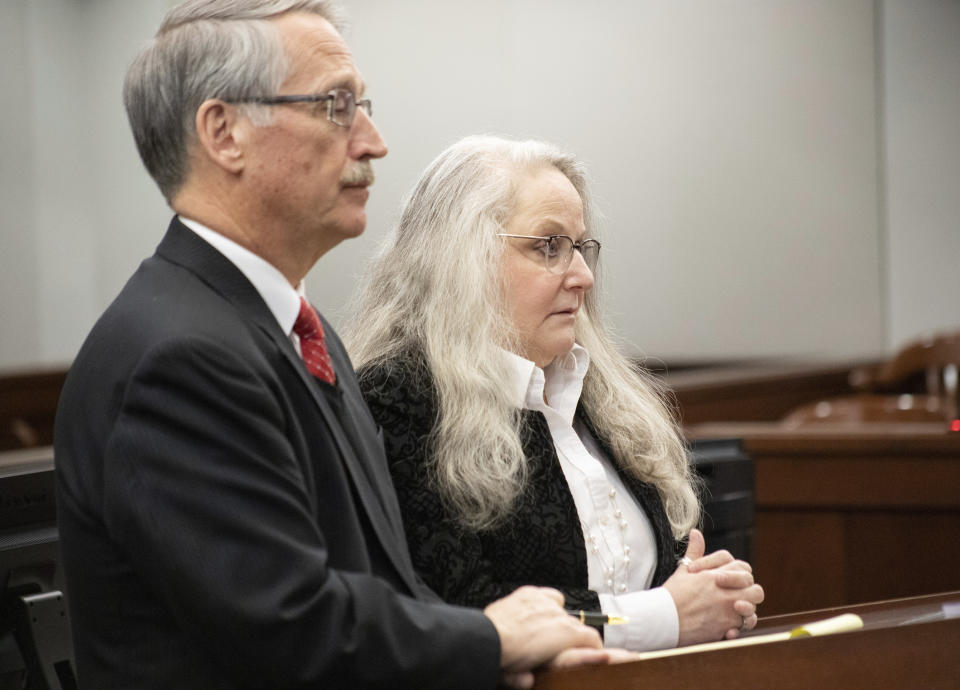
(341, 104)
(557, 250)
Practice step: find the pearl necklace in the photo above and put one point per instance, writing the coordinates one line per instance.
(612, 569)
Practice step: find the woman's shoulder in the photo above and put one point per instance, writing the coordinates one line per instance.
(397, 386)
(400, 397)
(406, 369)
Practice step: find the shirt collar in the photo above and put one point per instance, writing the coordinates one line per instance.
(562, 380)
(282, 299)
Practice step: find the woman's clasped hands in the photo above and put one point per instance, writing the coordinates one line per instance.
(715, 594)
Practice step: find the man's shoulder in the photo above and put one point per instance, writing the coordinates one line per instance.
(162, 296)
(165, 307)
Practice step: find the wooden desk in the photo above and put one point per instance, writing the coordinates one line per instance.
(848, 514)
(757, 391)
(895, 649)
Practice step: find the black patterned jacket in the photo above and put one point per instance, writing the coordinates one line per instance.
(542, 543)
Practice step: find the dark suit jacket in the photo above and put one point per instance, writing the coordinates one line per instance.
(542, 541)
(225, 521)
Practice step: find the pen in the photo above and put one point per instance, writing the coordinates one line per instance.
(597, 618)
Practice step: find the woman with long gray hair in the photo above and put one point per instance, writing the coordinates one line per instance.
(525, 448)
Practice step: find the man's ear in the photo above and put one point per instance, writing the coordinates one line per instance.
(217, 134)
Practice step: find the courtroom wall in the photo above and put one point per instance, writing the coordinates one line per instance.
(736, 150)
(19, 319)
(921, 107)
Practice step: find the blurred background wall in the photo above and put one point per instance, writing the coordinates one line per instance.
(777, 177)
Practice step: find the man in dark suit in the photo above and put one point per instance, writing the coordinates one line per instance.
(226, 514)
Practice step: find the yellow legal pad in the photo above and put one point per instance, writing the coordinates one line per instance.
(843, 623)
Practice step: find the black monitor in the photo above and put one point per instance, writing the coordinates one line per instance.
(35, 645)
(727, 474)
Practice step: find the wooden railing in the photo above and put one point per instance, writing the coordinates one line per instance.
(28, 405)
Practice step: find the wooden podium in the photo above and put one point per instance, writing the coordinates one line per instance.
(905, 643)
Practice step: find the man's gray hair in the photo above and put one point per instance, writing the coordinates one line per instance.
(205, 49)
(435, 291)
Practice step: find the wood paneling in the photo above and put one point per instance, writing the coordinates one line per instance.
(799, 559)
(28, 405)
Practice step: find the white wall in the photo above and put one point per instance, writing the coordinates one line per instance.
(734, 146)
(921, 62)
(19, 319)
(79, 213)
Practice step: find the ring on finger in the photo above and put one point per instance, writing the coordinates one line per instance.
(684, 561)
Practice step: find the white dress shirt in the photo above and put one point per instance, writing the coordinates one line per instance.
(621, 545)
(281, 298)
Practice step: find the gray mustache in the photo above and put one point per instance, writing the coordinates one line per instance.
(360, 173)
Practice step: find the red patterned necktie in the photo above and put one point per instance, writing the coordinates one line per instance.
(312, 347)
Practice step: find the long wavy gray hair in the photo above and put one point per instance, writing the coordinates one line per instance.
(435, 287)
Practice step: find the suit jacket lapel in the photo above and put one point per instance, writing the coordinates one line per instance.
(372, 494)
(184, 247)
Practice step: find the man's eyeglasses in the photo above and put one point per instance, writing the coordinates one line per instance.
(341, 104)
(557, 250)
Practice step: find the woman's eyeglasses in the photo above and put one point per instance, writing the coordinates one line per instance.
(558, 250)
